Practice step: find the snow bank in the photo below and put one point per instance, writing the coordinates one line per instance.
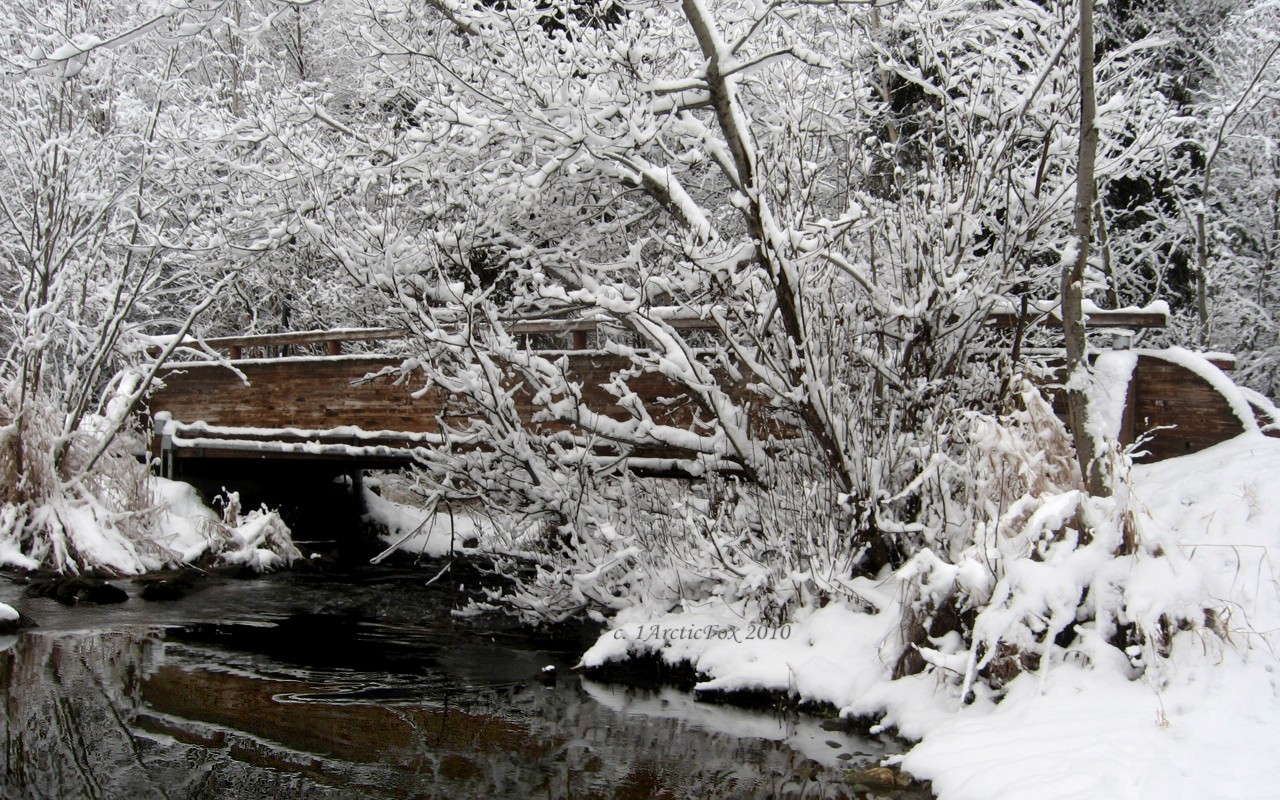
(1205, 725)
(184, 519)
(827, 655)
(11, 554)
(259, 540)
(1203, 722)
(1088, 733)
(101, 543)
(1221, 509)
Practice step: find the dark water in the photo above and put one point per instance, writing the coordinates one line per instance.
(364, 685)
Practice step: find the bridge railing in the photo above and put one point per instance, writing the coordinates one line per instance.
(572, 334)
(271, 345)
(577, 333)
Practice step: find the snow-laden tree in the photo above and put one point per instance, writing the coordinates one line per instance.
(1195, 225)
(98, 200)
(1232, 207)
(255, 69)
(842, 191)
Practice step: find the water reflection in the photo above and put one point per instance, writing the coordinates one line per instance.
(316, 706)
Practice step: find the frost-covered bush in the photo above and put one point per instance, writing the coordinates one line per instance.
(845, 246)
(1014, 567)
(1035, 570)
(659, 544)
(580, 533)
(97, 250)
(110, 514)
(91, 509)
(258, 540)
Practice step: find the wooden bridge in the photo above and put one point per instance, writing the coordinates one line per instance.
(301, 397)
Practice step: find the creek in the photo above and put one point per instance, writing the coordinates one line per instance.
(360, 682)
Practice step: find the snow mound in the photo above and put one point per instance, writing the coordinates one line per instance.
(1208, 723)
(1095, 720)
(184, 521)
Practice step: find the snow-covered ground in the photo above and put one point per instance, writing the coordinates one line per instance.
(1205, 722)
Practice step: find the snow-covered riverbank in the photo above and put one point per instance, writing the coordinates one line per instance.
(1094, 721)
(1194, 715)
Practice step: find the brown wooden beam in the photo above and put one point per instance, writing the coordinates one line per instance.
(1095, 319)
(301, 337)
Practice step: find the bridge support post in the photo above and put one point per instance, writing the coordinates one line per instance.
(164, 448)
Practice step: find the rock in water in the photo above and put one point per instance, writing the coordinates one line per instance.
(171, 585)
(11, 621)
(70, 591)
(877, 779)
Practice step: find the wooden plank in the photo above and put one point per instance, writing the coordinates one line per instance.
(672, 317)
(578, 328)
(300, 337)
(256, 401)
(1095, 319)
(329, 337)
(318, 395)
(321, 393)
(1184, 413)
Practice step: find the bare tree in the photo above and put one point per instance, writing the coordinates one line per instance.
(1087, 438)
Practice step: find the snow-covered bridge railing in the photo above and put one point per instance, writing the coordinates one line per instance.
(576, 333)
(1048, 314)
(326, 342)
(544, 334)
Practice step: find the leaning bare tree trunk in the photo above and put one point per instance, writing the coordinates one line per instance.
(729, 116)
(1077, 372)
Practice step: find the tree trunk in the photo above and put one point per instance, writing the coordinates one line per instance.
(1073, 272)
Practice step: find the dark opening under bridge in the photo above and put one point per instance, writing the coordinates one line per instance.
(299, 397)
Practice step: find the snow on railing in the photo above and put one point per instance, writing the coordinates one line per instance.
(275, 344)
(579, 328)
